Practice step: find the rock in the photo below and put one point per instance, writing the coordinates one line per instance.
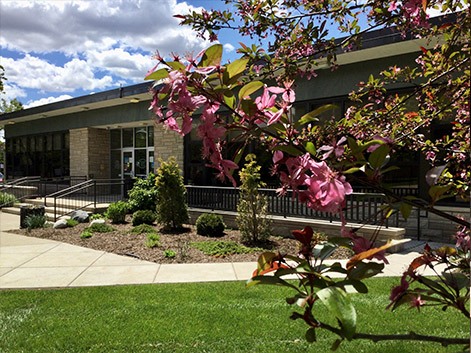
(65, 218)
(97, 221)
(60, 224)
(80, 216)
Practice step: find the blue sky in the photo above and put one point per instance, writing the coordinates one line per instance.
(58, 49)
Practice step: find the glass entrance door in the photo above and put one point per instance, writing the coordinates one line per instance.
(128, 164)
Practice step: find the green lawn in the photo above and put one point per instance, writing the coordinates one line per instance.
(203, 317)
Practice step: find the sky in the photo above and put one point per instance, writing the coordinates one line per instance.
(54, 50)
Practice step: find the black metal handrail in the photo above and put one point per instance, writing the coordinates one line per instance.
(22, 188)
(360, 207)
(87, 194)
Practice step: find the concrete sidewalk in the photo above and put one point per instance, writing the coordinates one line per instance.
(27, 262)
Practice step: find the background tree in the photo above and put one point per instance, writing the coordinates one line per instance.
(172, 210)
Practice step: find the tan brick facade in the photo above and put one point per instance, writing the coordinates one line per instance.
(167, 144)
(90, 153)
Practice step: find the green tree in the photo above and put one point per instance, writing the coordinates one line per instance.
(172, 210)
(252, 209)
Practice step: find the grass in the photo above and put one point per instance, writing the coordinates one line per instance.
(203, 317)
(222, 248)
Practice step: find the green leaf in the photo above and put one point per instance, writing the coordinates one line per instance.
(363, 270)
(378, 156)
(311, 335)
(339, 304)
(250, 88)
(288, 149)
(212, 56)
(406, 210)
(323, 251)
(312, 116)
(157, 75)
(310, 148)
(236, 67)
(229, 98)
(438, 192)
(176, 65)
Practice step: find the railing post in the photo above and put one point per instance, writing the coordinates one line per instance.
(94, 194)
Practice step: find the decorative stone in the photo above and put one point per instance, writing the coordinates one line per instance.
(80, 216)
(60, 224)
(97, 221)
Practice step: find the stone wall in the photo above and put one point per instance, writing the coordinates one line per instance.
(90, 153)
(167, 144)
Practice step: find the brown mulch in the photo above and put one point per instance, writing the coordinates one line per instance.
(122, 242)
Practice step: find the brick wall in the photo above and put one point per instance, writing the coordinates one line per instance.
(79, 152)
(90, 152)
(167, 144)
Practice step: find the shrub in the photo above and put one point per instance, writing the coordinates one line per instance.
(252, 209)
(210, 224)
(72, 222)
(172, 211)
(117, 211)
(35, 221)
(153, 240)
(97, 216)
(170, 254)
(100, 228)
(143, 217)
(143, 195)
(143, 229)
(86, 234)
(7, 200)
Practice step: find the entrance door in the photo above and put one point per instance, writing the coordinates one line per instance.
(128, 164)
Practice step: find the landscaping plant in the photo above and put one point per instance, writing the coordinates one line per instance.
(152, 240)
(35, 221)
(252, 209)
(317, 162)
(143, 217)
(7, 200)
(210, 224)
(172, 210)
(143, 195)
(117, 211)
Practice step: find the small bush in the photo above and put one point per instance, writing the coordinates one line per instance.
(72, 222)
(143, 195)
(117, 211)
(35, 221)
(170, 254)
(7, 200)
(223, 248)
(100, 228)
(143, 229)
(153, 240)
(143, 217)
(97, 216)
(86, 234)
(210, 224)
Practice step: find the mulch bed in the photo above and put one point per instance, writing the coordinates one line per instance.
(122, 242)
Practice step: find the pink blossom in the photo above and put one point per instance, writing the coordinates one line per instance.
(417, 302)
(399, 291)
(392, 6)
(335, 148)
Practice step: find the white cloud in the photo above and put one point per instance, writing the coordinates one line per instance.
(34, 73)
(228, 47)
(102, 43)
(47, 100)
(77, 26)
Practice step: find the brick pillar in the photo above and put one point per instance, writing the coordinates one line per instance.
(78, 152)
(90, 153)
(99, 153)
(167, 144)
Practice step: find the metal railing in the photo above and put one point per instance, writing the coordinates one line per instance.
(88, 194)
(22, 188)
(360, 207)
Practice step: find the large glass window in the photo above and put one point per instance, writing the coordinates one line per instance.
(38, 155)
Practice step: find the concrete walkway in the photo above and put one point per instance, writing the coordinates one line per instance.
(27, 262)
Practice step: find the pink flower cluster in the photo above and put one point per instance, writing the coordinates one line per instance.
(315, 183)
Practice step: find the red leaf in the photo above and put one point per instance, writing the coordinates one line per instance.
(304, 236)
